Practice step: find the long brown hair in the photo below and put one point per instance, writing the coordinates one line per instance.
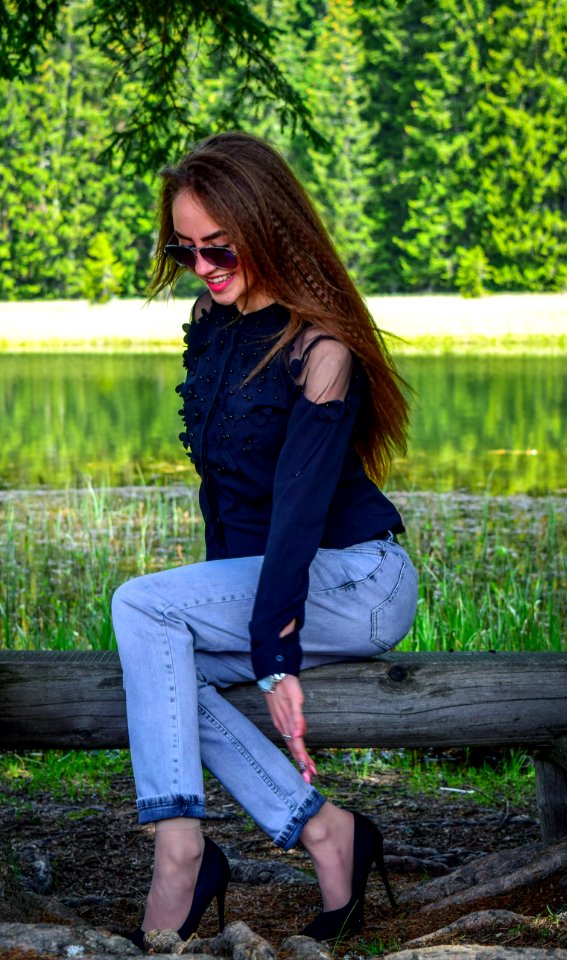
(246, 187)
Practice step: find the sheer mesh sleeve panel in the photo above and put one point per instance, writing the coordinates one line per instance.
(322, 365)
(202, 305)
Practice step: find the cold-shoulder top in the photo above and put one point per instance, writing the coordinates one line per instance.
(280, 476)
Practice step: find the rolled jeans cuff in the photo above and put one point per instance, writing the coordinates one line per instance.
(288, 837)
(168, 807)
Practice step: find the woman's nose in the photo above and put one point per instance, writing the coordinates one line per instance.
(202, 268)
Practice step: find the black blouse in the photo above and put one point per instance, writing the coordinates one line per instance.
(279, 474)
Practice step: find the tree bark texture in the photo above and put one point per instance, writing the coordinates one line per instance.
(551, 795)
(74, 700)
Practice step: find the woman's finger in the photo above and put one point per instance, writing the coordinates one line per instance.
(303, 759)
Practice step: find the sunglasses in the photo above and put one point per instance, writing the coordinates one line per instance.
(186, 256)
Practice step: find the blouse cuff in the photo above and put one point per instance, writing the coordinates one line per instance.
(281, 655)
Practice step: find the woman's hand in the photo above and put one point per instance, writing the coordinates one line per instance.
(285, 704)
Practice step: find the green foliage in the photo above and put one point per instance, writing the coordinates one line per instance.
(484, 147)
(155, 52)
(431, 136)
(102, 273)
(55, 195)
(341, 178)
(472, 270)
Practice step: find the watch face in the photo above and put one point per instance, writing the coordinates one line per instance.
(267, 684)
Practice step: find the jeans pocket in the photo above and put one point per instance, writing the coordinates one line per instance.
(342, 569)
(392, 619)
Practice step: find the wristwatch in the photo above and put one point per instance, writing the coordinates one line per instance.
(267, 684)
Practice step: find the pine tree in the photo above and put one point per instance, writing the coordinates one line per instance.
(523, 155)
(55, 195)
(341, 177)
(439, 176)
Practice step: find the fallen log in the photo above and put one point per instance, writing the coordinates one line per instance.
(75, 700)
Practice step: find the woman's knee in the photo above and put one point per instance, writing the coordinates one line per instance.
(135, 594)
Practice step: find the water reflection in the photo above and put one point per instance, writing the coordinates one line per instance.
(479, 423)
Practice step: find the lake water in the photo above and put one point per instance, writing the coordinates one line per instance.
(479, 423)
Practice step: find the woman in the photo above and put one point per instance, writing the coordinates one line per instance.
(290, 405)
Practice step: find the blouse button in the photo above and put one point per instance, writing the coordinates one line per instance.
(279, 658)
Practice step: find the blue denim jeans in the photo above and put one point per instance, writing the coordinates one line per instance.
(183, 635)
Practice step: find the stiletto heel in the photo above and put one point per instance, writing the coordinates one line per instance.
(212, 881)
(368, 849)
(221, 896)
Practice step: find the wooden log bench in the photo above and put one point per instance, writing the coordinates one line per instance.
(75, 700)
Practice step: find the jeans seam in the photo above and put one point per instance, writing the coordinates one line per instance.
(238, 745)
(175, 745)
(406, 569)
(208, 601)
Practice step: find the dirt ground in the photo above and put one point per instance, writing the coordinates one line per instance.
(101, 860)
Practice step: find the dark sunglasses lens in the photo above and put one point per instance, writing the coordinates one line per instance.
(219, 257)
(184, 256)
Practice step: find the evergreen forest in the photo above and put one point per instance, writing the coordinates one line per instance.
(438, 161)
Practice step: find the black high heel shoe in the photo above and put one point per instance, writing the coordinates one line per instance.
(212, 881)
(368, 849)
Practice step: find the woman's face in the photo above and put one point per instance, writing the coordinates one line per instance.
(194, 227)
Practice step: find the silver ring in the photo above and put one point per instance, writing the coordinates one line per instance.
(302, 766)
(287, 736)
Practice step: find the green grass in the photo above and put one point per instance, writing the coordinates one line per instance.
(63, 555)
(507, 779)
(71, 775)
(491, 568)
(498, 778)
